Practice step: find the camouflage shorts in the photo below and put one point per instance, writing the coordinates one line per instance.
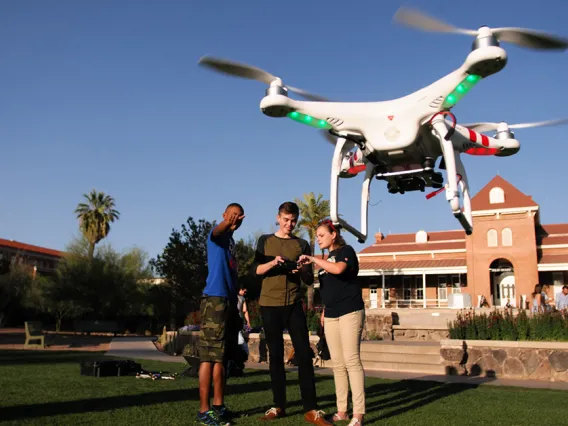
(218, 335)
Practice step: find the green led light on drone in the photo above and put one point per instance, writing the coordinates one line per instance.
(309, 120)
(461, 90)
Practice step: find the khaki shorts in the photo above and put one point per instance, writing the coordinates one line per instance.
(218, 335)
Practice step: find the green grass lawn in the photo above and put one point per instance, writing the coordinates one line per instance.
(39, 387)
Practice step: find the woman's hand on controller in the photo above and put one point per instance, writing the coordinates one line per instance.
(305, 259)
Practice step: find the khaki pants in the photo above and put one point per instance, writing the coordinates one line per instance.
(343, 337)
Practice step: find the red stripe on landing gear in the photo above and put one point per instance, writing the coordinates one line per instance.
(356, 169)
(472, 135)
(484, 140)
(481, 151)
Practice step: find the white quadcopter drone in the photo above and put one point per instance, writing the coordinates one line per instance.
(400, 140)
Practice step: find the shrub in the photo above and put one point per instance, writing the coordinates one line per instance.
(506, 325)
(254, 314)
(313, 319)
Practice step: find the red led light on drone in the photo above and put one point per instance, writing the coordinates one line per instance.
(481, 151)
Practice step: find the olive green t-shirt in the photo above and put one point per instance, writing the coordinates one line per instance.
(280, 288)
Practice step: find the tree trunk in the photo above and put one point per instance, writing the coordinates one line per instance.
(173, 325)
(58, 324)
(91, 250)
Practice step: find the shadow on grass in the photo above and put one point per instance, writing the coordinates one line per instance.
(37, 356)
(407, 395)
(383, 400)
(235, 386)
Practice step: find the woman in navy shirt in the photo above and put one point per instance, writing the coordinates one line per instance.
(343, 318)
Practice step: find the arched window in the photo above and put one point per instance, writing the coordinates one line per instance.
(507, 237)
(496, 195)
(492, 238)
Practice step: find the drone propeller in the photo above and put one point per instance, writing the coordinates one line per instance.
(487, 127)
(519, 36)
(253, 73)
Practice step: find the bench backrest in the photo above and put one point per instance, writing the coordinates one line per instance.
(34, 328)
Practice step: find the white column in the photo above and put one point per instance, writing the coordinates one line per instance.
(424, 288)
(383, 291)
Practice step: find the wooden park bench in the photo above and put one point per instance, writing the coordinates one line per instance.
(34, 332)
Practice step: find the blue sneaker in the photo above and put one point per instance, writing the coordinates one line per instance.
(208, 418)
(223, 414)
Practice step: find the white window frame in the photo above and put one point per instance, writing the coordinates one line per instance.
(496, 196)
(492, 238)
(507, 237)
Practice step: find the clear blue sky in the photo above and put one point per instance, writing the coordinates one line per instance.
(108, 95)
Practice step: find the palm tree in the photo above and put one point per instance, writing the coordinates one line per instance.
(95, 216)
(312, 211)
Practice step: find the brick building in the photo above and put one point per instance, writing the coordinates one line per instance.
(44, 260)
(509, 252)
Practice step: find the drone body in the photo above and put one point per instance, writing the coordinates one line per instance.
(399, 140)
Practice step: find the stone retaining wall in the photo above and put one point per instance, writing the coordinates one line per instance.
(504, 359)
(378, 327)
(422, 333)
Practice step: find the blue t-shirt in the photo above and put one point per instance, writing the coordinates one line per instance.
(222, 265)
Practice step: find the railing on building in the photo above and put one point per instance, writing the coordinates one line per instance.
(416, 303)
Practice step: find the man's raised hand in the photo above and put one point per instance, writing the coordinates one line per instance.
(234, 219)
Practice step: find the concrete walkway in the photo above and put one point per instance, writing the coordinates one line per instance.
(139, 348)
(144, 348)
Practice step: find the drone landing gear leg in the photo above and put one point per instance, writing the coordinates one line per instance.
(453, 163)
(464, 187)
(338, 155)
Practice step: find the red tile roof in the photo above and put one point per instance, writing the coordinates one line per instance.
(30, 248)
(513, 197)
(411, 247)
(432, 237)
(442, 263)
(553, 258)
(554, 229)
(414, 264)
(555, 239)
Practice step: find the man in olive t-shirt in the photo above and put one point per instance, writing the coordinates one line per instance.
(281, 309)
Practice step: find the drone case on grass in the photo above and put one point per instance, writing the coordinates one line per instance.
(106, 368)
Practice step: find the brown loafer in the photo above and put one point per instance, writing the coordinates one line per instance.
(316, 417)
(273, 413)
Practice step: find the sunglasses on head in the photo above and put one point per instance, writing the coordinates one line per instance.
(329, 223)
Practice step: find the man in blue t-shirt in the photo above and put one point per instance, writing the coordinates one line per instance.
(218, 335)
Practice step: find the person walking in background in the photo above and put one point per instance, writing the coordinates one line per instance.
(242, 307)
(537, 302)
(562, 299)
(343, 318)
(242, 349)
(219, 317)
(281, 308)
